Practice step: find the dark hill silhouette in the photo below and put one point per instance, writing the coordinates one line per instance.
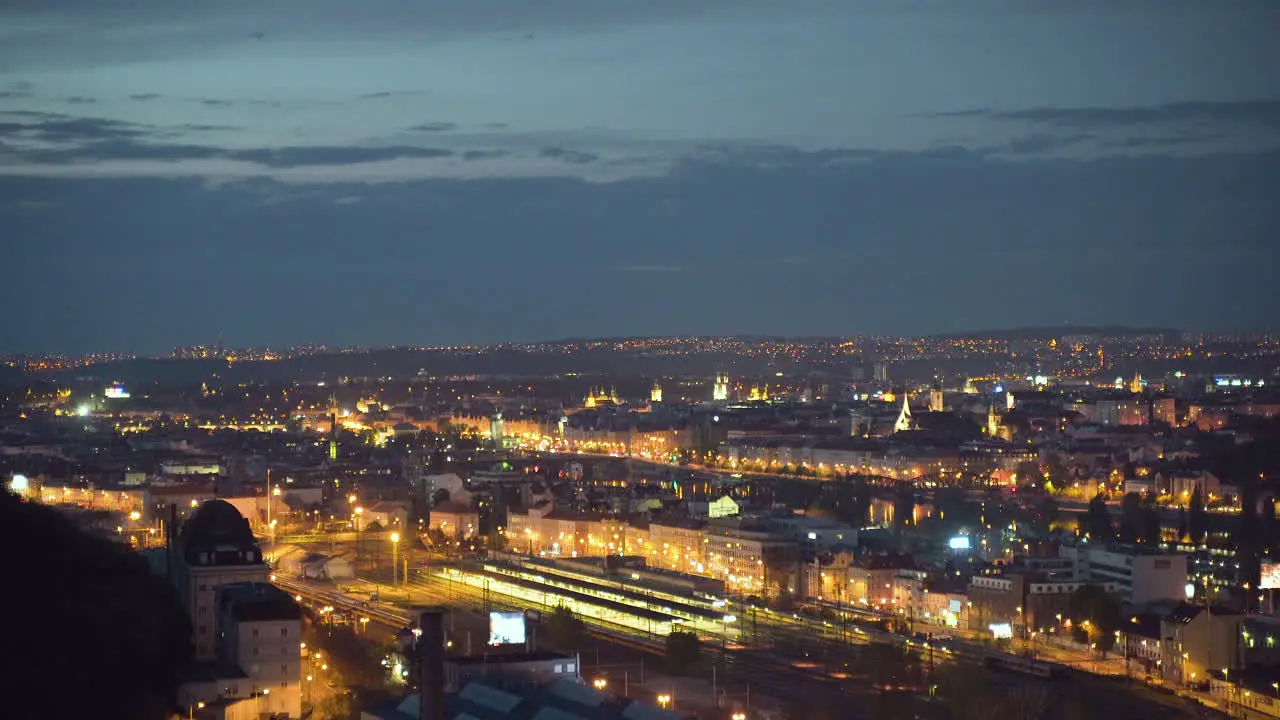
(90, 632)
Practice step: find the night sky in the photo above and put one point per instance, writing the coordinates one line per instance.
(456, 171)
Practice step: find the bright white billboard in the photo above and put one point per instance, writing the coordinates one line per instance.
(506, 628)
(1270, 576)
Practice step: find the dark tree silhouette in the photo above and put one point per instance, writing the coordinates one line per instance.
(1095, 615)
(682, 652)
(1196, 519)
(91, 631)
(1097, 521)
(566, 630)
(1270, 527)
(1046, 514)
(1130, 517)
(1150, 529)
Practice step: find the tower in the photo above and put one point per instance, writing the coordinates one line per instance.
(720, 389)
(905, 421)
(993, 421)
(1135, 385)
(333, 427)
(936, 403)
(655, 394)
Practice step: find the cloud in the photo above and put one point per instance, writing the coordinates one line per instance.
(1261, 113)
(1162, 142)
(143, 97)
(58, 139)
(383, 94)
(485, 154)
(318, 155)
(653, 268)
(1042, 143)
(80, 100)
(575, 157)
(121, 149)
(435, 127)
(210, 102)
(937, 223)
(60, 128)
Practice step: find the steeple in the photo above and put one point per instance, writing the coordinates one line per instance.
(905, 422)
(720, 388)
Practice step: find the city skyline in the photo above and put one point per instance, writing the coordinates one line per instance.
(485, 172)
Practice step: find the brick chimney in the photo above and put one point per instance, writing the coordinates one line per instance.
(430, 648)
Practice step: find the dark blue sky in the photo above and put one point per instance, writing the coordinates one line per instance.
(487, 170)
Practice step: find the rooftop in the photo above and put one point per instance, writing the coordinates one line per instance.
(556, 700)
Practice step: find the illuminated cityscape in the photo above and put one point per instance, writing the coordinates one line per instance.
(1033, 516)
(582, 360)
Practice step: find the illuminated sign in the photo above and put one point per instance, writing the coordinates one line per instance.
(1270, 576)
(959, 542)
(506, 628)
(116, 392)
(1001, 631)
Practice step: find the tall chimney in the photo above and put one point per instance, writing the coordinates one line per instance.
(170, 533)
(431, 666)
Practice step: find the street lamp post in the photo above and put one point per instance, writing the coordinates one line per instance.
(191, 709)
(395, 555)
(664, 700)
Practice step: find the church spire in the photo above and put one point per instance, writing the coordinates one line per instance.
(905, 422)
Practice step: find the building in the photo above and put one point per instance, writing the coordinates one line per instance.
(1142, 574)
(214, 548)
(247, 633)
(504, 686)
(455, 520)
(260, 629)
(1028, 600)
(750, 557)
(389, 514)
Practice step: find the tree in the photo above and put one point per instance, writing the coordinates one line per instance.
(784, 601)
(1270, 527)
(354, 658)
(1095, 616)
(1046, 513)
(565, 629)
(1130, 517)
(338, 706)
(1196, 518)
(1026, 702)
(1028, 472)
(1059, 475)
(1097, 520)
(1150, 529)
(93, 594)
(682, 652)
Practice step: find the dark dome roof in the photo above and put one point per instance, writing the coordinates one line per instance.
(217, 523)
